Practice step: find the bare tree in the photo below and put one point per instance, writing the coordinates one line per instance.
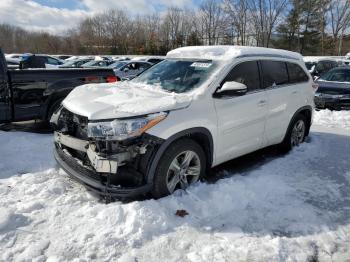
(212, 17)
(238, 15)
(265, 15)
(340, 21)
(117, 27)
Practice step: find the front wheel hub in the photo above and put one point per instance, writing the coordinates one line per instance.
(183, 171)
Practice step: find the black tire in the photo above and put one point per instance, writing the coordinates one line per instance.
(53, 107)
(287, 143)
(160, 188)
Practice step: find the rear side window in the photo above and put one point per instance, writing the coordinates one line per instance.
(52, 61)
(320, 67)
(274, 73)
(246, 73)
(296, 73)
(144, 65)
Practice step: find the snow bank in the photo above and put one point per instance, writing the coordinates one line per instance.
(330, 118)
(291, 207)
(20, 153)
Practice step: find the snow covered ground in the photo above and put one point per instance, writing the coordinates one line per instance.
(292, 207)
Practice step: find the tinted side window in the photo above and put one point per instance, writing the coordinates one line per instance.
(246, 73)
(320, 67)
(296, 73)
(274, 73)
(52, 61)
(144, 65)
(334, 64)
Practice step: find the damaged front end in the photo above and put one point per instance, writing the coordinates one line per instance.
(111, 158)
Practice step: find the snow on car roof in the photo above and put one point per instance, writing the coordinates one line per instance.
(315, 59)
(226, 52)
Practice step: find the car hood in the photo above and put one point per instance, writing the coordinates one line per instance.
(329, 87)
(123, 99)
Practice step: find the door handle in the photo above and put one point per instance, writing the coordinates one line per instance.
(294, 92)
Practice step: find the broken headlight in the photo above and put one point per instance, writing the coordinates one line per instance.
(121, 129)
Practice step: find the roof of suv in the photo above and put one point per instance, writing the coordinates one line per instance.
(226, 52)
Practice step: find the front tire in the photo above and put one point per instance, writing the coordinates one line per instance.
(182, 164)
(296, 133)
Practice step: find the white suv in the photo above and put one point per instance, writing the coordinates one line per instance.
(198, 108)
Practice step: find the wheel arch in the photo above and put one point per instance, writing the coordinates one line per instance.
(305, 111)
(200, 135)
(53, 98)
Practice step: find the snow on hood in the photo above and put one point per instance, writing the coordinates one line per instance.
(123, 99)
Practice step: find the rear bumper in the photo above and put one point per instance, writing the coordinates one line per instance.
(93, 180)
(332, 103)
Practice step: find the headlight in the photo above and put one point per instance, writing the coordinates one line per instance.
(121, 129)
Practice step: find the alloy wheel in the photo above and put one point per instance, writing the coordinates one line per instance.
(183, 171)
(298, 133)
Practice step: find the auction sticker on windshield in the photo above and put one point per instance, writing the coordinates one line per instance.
(202, 65)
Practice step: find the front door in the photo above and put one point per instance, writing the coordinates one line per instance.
(241, 119)
(5, 109)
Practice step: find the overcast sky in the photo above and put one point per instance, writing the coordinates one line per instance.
(56, 16)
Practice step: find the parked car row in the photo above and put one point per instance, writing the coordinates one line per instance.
(125, 68)
(37, 93)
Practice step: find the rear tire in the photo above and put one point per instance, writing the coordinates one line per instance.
(296, 133)
(182, 164)
(53, 107)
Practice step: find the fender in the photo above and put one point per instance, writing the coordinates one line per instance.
(295, 114)
(152, 168)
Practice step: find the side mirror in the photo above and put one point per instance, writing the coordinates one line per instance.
(126, 69)
(234, 88)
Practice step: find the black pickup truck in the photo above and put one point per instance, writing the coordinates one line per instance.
(36, 93)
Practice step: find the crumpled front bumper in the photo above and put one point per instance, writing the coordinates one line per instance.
(93, 180)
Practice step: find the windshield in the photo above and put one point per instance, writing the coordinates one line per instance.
(117, 65)
(337, 75)
(177, 76)
(309, 65)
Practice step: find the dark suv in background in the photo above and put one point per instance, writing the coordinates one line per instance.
(319, 66)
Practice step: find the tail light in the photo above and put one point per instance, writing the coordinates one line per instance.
(111, 79)
(91, 79)
(314, 86)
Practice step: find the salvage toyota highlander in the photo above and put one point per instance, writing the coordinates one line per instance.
(198, 108)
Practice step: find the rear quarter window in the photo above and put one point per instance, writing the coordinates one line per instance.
(274, 73)
(296, 73)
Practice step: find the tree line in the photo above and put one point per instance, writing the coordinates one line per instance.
(311, 27)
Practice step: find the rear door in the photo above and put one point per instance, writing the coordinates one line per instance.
(5, 109)
(284, 94)
(241, 119)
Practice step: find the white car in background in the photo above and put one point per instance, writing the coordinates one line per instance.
(198, 108)
(127, 70)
